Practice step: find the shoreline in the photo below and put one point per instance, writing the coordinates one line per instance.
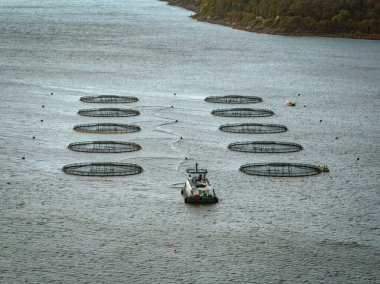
(260, 30)
(182, 4)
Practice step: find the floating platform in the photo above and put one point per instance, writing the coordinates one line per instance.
(109, 99)
(109, 112)
(107, 128)
(280, 169)
(242, 112)
(102, 169)
(104, 147)
(265, 147)
(253, 128)
(234, 99)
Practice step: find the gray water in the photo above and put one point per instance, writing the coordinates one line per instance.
(70, 229)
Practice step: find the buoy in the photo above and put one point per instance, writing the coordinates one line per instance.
(8, 182)
(34, 137)
(185, 158)
(171, 106)
(51, 93)
(176, 120)
(336, 137)
(320, 120)
(174, 93)
(23, 158)
(299, 94)
(42, 120)
(181, 138)
(289, 103)
(323, 169)
(43, 106)
(357, 159)
(304, 106)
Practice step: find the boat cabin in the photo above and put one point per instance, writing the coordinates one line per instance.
(197, 177)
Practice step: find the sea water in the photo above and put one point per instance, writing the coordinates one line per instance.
(56, 227)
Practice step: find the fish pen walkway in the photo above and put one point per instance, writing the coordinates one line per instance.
(109, 112)
(102, 169)
(265, 147)
(107, 99)
(104, 146)
(234, 99)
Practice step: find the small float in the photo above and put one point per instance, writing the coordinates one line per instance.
(289, 103)
(197, 189)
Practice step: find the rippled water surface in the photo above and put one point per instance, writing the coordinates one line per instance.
(61, 228)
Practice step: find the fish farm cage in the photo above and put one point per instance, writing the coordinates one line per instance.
(242, 112)
(234, 99)
(280, 169)
(253, 128)
(102, 169)
(104, 147)
(107, 128)
(265, 147)
(108, 99)
(109, 112)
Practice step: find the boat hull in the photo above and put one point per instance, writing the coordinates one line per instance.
(204, 200)
(190, 199)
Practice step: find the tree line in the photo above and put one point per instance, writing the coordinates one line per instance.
(324, 16)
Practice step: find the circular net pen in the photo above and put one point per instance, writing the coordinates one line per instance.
(234, 99)
(102, 169)
(107, 128)
(106, 99)
(265, 147)
(280, 169)
(104, 147)
(109, 112)
(242, 112)
(253, 128)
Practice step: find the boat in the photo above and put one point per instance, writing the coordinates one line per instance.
(197, 189)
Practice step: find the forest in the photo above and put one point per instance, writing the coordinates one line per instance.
(291, 16)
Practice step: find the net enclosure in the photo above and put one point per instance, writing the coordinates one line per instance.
(109, 112)
(109, 99)
(104, 146)
(253, 128)
(280, 169)
(242, 112)
(102, 169)
(265, 147)
(234, 99)
(107, 128)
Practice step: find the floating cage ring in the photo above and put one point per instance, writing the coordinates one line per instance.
(109, 99)
(280, 169)
(109, 112)
(104, 146)
(253, 128)
(234, 99)
(103, 169)
(265, 147)
(242, 112)
(107, 128)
